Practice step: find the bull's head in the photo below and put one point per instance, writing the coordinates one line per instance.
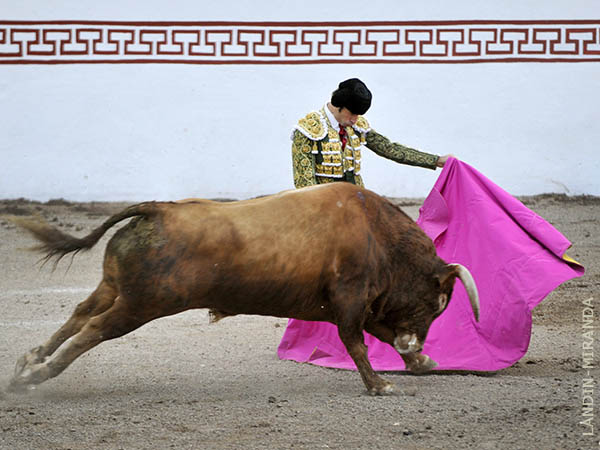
(411, 332)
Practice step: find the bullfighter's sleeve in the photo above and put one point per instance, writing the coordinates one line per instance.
(303, 161)
(398, 152)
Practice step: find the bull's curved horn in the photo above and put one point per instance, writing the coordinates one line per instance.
(469, 284)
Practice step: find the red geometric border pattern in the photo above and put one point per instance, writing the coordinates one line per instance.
(81, 42)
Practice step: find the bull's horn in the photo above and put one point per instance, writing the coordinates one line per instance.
(469, 284)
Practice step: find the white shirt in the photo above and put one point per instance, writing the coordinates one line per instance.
(332, 120)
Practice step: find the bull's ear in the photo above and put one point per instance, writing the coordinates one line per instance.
(446, 275)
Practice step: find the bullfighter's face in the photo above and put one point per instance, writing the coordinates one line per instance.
(345, 117)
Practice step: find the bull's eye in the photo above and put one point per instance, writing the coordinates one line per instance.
(442, 300)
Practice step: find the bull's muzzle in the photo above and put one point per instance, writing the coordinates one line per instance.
(407, 343)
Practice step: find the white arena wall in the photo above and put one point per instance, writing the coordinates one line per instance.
(112, 103)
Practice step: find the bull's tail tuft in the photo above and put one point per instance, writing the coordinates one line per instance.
(53, 242)
(57, 244)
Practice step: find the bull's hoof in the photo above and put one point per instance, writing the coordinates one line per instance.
(384, 388)
(28, 359)
(22, 362)
(29, 377)
(422, 364)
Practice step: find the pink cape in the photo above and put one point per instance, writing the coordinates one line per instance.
(515, 257)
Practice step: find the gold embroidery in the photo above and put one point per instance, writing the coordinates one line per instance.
(331, 147)
(334, 171)
(398, 152)
(362, 125)
(312, 126)
(325, 180)
(302, 162)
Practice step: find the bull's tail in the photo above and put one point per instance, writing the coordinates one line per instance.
(57, 244)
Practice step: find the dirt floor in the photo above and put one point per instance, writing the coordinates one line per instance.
(181, 383)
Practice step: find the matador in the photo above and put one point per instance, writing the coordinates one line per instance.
(327, 144)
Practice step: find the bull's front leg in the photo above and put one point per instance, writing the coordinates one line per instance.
(414, 361)
(354, 341)
(418, 363)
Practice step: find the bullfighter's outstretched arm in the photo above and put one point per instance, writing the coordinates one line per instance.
(398, 152)
(303, 161)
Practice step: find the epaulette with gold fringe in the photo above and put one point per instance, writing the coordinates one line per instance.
(362, 125)
(313, 126)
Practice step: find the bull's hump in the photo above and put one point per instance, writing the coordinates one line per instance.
(328, 190)
(325, 207)
(303, 199)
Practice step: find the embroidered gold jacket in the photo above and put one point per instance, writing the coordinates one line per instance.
(317, 154)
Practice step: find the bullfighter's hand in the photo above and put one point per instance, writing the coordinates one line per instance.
(442, 160)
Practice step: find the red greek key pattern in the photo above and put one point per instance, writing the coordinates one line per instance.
(67, 42)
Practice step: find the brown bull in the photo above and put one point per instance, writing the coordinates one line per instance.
(335, 253)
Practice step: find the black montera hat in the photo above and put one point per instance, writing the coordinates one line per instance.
(352, 94)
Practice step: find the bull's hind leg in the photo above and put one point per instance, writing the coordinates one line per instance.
(116, 321)
(98, 302)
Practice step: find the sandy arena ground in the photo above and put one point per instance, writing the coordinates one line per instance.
(181, 383)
